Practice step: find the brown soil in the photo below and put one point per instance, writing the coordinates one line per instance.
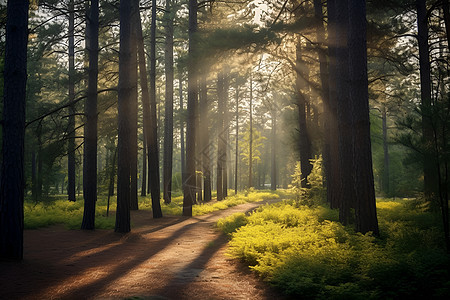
(168, 258)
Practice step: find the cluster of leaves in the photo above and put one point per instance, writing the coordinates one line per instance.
(305, 255)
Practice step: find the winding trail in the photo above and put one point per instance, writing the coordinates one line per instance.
(168, 258)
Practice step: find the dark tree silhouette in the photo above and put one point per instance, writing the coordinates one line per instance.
(190, 185)
(345, 117)
(365, 208)
(71, 125)
(168, 113)
(333, 182)
(303, 102)
(134, 205)
(153, 152)
(90, 128)
(429, 170)
(204, 137)
(12, 176)
(221, 143)
(124, 99)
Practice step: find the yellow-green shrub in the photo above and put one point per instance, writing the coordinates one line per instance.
(312, 258)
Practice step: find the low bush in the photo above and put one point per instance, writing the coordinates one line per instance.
(307, 256)
(57, 210)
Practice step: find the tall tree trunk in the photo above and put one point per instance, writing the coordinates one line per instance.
(429, 170)
(39, 162)
(273, 165)
(124, 99)
(153, 152)
(182, 121)
(250, 149)
(134, 205)
(226, 134)
(12, 173)
(365, 208)
(144, 166)
(71, 126)
(302, 97)
(236, 162)
(189, 186)
(90, 127)
(325, 91)
(168, 118)
(386, 187)
(221, 137)
(345, 115)
(204, 131)
(333, 182)
(33, 177)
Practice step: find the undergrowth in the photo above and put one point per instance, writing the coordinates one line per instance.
(57, 210)
(306, 253)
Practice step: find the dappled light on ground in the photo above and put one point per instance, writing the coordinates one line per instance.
(172, 257)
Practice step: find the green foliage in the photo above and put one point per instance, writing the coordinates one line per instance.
(57, 210)
(61, 211)
(315, 193)
(244, 145)
(305, 255)
(231, 223)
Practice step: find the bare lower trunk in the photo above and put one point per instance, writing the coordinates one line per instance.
(124, 99)
(365, 205)
(12, 173)
(90, 128)
(189, 186)
(168, 119)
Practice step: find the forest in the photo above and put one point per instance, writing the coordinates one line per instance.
(309, 137)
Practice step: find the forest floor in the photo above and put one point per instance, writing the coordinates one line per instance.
(167, 258)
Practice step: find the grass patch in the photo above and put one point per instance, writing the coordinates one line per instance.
(306, 255)
(57, 210)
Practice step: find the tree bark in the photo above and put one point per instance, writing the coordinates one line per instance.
(226, 135)
(153, 152)
(190, 186)
(273, 165)
(302, 98)
(90, 127)
(144, 167)
(250, 152)
(333, 182)
(236, 166)
(221, 135)
(71, 125)
(325, 92)
(365, 208)
(345, 117)
(204, 131)
(33, 177)
(12, 173)
(168, 118)
(124, 99)
(182, 121)
(134, 205)
(429, 171)
(386, 185)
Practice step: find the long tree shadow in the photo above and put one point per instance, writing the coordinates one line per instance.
(115, 252)
(125, 245)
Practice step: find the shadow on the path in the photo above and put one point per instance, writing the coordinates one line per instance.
(115, 255)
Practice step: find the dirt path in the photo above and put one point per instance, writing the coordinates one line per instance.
(168, 258)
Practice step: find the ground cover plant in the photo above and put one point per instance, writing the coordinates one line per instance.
(57, 210)
(306, 253)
